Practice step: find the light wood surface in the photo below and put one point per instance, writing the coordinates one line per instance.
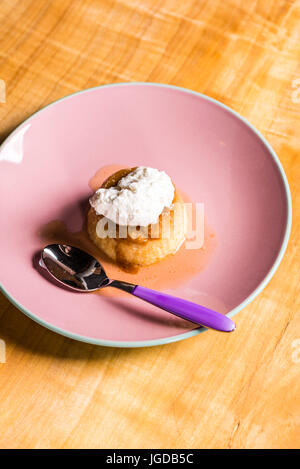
(214, 390)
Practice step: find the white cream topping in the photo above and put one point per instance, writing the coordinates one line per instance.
(138, 199)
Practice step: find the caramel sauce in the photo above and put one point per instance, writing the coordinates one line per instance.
(171, 272)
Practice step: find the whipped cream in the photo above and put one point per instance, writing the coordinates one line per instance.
(138, 199)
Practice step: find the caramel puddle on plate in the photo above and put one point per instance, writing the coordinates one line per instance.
(171, 272)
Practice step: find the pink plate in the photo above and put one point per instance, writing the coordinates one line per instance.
(213, 155)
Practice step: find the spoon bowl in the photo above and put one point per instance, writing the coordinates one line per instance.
(74, 267)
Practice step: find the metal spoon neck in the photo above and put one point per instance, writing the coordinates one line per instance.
(121, 285)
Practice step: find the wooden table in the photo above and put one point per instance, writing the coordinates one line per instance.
(214, 390)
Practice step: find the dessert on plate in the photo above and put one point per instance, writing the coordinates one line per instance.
(137, 217)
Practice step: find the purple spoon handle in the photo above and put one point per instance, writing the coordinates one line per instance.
(185, 309)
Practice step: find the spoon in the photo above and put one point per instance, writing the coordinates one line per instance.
(82, 272)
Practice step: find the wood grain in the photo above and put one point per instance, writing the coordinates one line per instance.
(237, 391)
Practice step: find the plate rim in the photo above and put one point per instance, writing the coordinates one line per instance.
(193, 332)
